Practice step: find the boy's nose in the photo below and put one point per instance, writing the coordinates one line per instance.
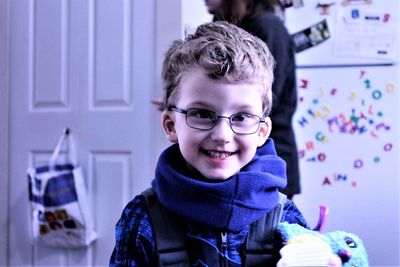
(222, 131)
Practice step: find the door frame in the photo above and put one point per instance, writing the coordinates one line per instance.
(4, 129)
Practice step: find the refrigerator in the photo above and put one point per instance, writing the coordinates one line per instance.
(347, 120)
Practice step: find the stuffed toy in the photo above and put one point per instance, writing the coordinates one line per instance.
(311, 248)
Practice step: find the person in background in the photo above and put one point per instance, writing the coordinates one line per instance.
(264, 19)
(221, 175)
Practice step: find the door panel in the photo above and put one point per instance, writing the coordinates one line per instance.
(87, 65)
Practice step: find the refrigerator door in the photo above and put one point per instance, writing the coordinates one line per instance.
(359, 32)
(347, 130)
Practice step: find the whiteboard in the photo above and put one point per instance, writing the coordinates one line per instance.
(326, 53)
(347, 130)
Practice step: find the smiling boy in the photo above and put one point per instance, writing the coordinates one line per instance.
(221, 151)
(221, 176)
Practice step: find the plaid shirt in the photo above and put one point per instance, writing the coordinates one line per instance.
(135, 244)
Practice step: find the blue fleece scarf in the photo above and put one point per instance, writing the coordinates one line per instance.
(227, 205)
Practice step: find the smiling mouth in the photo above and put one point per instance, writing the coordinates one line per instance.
(217, 154)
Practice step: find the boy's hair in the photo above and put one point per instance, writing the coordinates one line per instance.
(222, 51)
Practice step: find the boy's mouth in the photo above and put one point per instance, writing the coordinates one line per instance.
(217, 154)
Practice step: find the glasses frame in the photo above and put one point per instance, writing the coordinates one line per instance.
(185, 111)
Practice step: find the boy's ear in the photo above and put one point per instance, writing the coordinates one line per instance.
(168, 125)
(264, 132)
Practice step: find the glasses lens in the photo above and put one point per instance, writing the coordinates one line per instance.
(244, 123)
(200, 118)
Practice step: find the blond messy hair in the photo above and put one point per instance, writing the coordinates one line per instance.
(222, 51)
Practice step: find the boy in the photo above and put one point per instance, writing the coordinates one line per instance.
(222, 174)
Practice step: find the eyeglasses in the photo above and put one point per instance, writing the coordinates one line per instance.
(202, 119)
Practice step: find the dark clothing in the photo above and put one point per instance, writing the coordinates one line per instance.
(176, 249)
(208, 209)
(135, 244)
(269, 28)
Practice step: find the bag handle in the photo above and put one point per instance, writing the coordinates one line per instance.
(71, 149)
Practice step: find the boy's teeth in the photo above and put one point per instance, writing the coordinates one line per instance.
(215, 154)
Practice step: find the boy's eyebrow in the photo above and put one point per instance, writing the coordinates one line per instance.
(206, 105)
(199, 103)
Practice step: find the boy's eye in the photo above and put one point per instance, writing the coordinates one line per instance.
(241, 117)
(201, 114)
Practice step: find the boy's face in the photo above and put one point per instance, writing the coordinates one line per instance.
(217, 153)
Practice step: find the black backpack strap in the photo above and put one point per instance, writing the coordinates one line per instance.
(169, 237)
(260, 247)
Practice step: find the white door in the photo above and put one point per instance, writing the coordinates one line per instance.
(88, 65)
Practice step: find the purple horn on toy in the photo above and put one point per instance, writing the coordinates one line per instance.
(323, 215)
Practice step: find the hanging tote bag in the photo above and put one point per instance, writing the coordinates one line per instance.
(61, 216)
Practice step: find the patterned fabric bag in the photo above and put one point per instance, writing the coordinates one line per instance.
(61, 216)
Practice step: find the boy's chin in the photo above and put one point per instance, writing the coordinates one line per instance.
(209, 176)
(217, 177)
